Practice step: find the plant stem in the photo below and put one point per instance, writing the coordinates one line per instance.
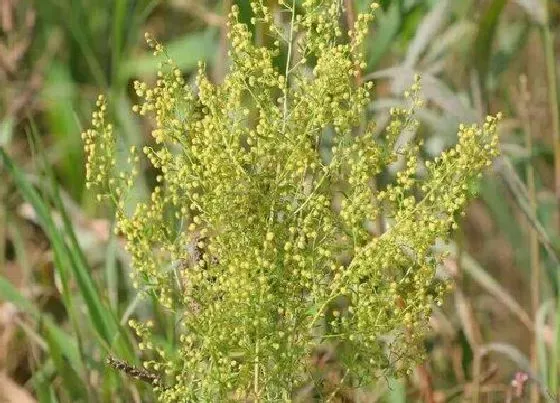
(288, 61)
(548, 44)
(533, 236)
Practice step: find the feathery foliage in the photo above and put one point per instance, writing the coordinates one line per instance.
(244, 238)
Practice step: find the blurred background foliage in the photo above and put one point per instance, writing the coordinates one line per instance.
(64, 290)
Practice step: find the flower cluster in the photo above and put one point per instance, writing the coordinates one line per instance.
(267, 243)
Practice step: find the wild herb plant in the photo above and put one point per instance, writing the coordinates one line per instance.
(266, 247)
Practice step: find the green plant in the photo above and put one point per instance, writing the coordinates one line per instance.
(267, 248)
(68, 352)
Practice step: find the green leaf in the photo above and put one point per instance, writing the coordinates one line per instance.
(186, 52)
(43, 388)
(59, 100)
(396, 392)
(387, 29)
(482, 51)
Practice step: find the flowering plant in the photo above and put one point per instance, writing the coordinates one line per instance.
(268, 244)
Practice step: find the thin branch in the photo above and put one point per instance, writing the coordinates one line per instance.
(288, 61)
(524, 105)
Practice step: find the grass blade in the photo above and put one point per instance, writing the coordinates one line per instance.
(389, 24)
(482, 51)
(430, 25)
(66, 343)
(68, 260)
(73, 384)
(473, 269)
